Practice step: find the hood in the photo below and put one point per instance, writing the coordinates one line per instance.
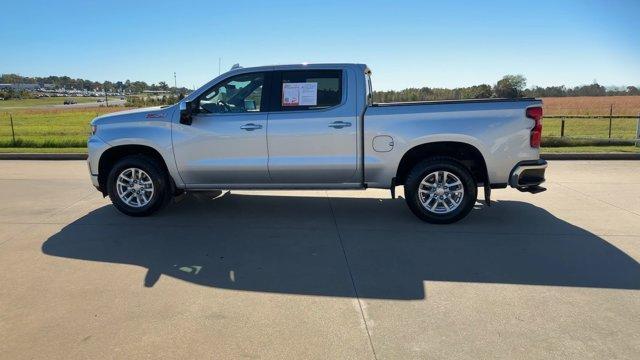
(160, 113)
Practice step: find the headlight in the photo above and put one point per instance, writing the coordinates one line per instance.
(94, 128)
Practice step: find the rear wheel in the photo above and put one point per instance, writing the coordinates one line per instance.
(440, 190)
(138, 186)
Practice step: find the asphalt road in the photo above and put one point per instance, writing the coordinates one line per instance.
(326, 275)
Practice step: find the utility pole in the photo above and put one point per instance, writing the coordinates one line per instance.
(106, 99)
(175, 82)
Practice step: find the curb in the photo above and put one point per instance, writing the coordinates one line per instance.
(567, 156)
(592, 156)
(31, 156)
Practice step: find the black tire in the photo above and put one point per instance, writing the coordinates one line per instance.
(428, 166)
(159, 177)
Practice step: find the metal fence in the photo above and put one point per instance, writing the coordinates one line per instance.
(64, 130)
(597, 129)
(45, 130)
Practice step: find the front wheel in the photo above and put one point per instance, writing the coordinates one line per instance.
(138, 186)
(440, 190)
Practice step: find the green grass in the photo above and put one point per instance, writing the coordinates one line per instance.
(62, 129)
(25, 103)
(591, 149)
(53, 128)
(46, 129)
(548, 150)
(590, 128)
(22, 150)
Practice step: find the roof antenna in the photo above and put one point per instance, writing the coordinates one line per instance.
(235, 66)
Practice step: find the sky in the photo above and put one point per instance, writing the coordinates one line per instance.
(405, 43)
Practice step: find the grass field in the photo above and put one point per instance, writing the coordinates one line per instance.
(591, 149)
(27, 150)
(49, 128)
(67, 129)
(545, 150)
(26, 103)
(590, 128)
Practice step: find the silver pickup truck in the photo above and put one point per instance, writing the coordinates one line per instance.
(316, 127)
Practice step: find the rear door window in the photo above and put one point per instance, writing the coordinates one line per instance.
(308, 89)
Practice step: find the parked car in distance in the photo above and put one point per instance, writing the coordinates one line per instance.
(70, 102)
(316, 127)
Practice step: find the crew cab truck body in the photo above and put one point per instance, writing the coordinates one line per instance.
(316, 127)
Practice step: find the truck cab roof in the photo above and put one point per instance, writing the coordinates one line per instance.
(302, 66)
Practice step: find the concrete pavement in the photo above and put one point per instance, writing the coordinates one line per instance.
(336, 274)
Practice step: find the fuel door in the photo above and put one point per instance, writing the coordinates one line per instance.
(382, 143)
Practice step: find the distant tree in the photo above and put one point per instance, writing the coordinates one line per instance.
(138, 86)
(510, 86)
(594, 89)
(632, 90)
(555, 91)
(483, 91)
(163, 86)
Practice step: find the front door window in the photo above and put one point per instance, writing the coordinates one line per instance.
(239, 94)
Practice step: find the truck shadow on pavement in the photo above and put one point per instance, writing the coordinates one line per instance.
(321, 246)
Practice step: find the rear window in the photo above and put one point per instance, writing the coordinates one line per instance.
(310, 89)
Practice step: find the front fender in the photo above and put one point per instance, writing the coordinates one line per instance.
(153, 134)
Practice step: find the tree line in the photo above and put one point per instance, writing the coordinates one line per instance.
(66, 82)
(510, 86)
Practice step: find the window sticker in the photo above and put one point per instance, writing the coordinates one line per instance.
(300, 94)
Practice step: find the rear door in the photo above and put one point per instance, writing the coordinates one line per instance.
(312, 128)
(227, 140)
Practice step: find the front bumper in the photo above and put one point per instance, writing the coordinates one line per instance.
(528, 175)
(95, 147)
(95, 182)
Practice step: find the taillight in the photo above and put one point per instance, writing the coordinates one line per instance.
(535, 113)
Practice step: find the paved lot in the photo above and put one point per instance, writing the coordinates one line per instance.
(328, 275)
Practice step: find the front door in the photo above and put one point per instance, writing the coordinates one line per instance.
(227, 140)
(312, 132)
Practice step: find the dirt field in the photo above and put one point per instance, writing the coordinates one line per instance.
(592, 105)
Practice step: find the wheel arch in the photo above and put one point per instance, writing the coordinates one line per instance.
(111, 156)
(464, 153)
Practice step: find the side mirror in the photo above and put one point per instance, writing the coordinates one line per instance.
(186, 115)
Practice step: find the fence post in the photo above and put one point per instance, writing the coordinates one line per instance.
(562, 128)
(13, 133)
(610, 116)
(638, 131)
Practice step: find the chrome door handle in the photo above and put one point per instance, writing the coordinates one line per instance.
(250, 127)
(340, 124)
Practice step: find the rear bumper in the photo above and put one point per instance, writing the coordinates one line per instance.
(528, 175)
